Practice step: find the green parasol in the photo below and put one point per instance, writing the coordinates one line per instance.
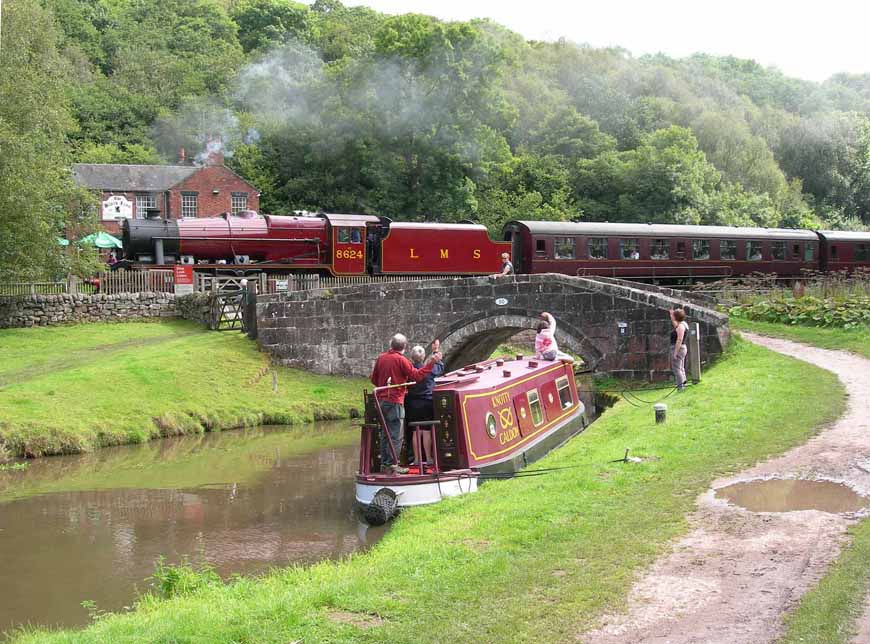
(101, 239)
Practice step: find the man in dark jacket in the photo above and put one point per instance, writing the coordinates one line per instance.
(393, 368)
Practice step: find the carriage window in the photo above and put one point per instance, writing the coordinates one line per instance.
(778, 250)
(565, 398)
(809, 252)
(597, 247)
(700, 249)
(753, 250)
(541, 247)
(796, 251)
(727, 249)
(355, 236)
(563, 248)
(535, 407)
(681, 249)
(344, 235)
(629, 249)
(833, 252)
(659, 249)
(862, 252)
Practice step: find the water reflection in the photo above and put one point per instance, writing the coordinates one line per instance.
(91, 527)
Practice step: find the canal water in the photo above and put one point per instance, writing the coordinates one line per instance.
(91, 527)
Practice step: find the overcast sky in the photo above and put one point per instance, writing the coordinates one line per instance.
(811, 40)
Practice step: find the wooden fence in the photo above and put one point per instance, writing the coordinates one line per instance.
(162, 281)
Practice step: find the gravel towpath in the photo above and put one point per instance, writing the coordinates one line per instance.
(737, 573)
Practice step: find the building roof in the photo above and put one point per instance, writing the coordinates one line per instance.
(131, 178)
(664, 230)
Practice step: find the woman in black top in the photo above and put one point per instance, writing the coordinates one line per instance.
(678, 347)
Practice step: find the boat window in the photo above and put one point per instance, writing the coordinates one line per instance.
(597, 247)
(659, 249)
(491, 427)
(564, 390)
(563, 248)
(727, 249)
(862, 253)
(809, 252)
(535, 407)
(753, 251)
(778, 250)
(541, 247)
(629, 249)
(344, 235)
(700, 249)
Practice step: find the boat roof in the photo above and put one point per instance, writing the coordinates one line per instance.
(665, 230)
(489, 374)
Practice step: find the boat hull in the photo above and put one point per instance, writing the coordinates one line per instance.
(417, 490)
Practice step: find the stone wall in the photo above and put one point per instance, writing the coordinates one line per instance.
(49, 310)
(196, 307)
(616, 327)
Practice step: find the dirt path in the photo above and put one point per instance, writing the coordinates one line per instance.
(736, 574)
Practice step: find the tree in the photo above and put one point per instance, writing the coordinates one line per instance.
(264, 23)
(35, 185)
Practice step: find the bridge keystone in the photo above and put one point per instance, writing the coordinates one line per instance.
(617, 327)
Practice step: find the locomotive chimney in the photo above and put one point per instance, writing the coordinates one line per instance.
(182, 156)
(214, 151)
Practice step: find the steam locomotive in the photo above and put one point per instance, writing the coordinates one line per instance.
(338, 244)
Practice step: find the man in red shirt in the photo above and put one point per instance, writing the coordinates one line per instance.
(393, 368)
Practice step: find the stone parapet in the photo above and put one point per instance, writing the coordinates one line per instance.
(50, 310)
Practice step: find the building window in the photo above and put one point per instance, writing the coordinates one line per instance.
(809, 252)
(564, 389)
(535, 407)
(629, 249)
(727, 249)
(659, 249)
(862, 252)
(700, 249)
(753, 251)
(144, 203)
(597, 247)
(564, 248)
(239, 202)
(541, 247)
(778, 250)
(189, 204)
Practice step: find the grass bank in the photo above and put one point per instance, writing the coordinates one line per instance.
(73, 389)
(525, 560)
(856, 340)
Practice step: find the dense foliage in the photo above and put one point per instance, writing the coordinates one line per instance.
(347, 109)
(844, 313)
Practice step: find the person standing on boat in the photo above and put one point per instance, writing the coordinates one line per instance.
(393, 368)
(418, 405)
(678, 347)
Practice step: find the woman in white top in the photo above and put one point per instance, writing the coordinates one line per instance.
(678, 347)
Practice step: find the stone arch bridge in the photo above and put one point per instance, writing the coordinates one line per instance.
(617, 327)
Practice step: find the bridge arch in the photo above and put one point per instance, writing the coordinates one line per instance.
(474, 339)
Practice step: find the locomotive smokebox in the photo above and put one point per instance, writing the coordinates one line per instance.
(141, 235)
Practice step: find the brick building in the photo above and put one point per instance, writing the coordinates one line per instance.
(176, 191)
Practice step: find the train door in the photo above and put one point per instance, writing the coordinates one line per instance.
(349, 249)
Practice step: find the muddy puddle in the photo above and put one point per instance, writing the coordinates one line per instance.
(780, 495)
(91, 527)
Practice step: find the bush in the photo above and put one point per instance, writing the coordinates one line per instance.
(843, 313)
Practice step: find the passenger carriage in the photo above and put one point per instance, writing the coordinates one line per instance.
(495, 416)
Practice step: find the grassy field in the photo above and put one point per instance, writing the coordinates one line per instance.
(855, 340)
(525, 560)
(72, 389)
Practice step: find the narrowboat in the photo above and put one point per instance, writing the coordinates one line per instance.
(493, 417)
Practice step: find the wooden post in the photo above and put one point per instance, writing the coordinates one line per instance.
(695, 353)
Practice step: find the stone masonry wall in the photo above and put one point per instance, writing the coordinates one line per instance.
(50, 310)
(615, 327)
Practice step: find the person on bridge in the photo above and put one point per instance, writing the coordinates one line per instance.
(545, 341)
(393, 368)
(678, 347)
(506, 267)
(419, 406)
